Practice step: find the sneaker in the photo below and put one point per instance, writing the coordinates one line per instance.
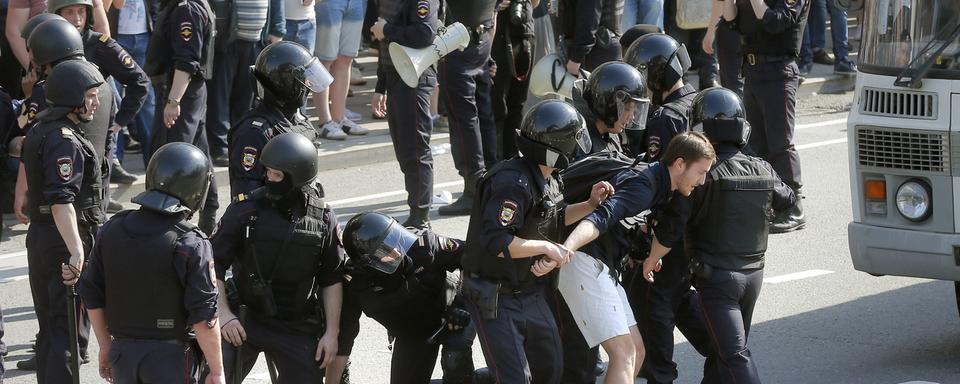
(352, 128)
(356, 117)
(845, 67)
(822, 57)
(356, 77)
(331, 130)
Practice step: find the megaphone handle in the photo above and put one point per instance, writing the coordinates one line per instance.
(553, 75)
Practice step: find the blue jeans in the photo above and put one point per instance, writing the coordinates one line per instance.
(136, 46)
(641, 12)
(303, 32)
(814, 34)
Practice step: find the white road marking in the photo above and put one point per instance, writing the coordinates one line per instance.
(388, 194)
(796, 276)
(821, 144)
(14, 278)
(13, 254)
(822, 123)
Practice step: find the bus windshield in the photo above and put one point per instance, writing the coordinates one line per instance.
(896, 31)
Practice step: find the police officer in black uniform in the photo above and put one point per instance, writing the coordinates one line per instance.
(404, 281)
(592, 32)
(154, 252)
(723, 41)
(287, 73)
(114, 62)
(729, 258)
(517, 219)
(668, 302)
(512, 53)
(410, 23)
(466, 92)
(613, 100)
(63, 180)
(179, 61)
(772, 31)
(280, 241)
(664, 61)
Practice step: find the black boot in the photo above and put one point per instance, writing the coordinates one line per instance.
(419, 218)
(119, 175)
(464, 204)
(208, 221)
(791, 219)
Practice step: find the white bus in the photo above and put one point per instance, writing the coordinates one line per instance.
(904, 141)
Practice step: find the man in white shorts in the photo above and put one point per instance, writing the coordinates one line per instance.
(339, 27)
(590, 285)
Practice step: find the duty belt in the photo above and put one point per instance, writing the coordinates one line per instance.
(163, 341)
(755, 58)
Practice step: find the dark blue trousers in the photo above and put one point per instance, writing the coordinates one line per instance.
(231, 90)
(770, 100)
(150, 361)
(727, 300)
(408, 117)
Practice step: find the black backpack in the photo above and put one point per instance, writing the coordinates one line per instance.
(578, 178)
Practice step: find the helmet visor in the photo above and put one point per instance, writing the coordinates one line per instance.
(583, 139)
(389, 253)
(633, 110)
(315, 76)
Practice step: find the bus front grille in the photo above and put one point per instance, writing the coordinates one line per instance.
(912, 150)
(896, 103)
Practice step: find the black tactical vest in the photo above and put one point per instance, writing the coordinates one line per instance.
(144, 293)
(682, 106)
(758, 41)
(87, 202)
(542, 221)
(289, 253)
(741, 192)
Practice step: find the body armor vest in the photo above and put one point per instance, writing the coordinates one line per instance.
(756, 40)
(88, 201)
(146, 273)
(741, 192)
(286, 254)
(543, 221)
(682, 106)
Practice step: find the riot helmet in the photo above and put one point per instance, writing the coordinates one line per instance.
(34, 22)
(295, 156)
(55, 6)
(67, 85)
(610, 91)
(551, 133)
(178, 178)
(661, 59)
(54, 40)
(637, 31)
(377, 241)
(287, 72)
(718, 113)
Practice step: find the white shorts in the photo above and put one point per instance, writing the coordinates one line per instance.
(598, 305)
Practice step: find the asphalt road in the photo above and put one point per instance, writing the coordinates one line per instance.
(817, 320)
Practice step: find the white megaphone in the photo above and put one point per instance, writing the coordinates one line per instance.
(410, 63)
(550, 77)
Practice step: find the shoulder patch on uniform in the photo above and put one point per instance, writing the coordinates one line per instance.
(186, 30)
(447, 244)
(126, 60)
(791, 2)
(240, 197)
(248, 158)
(508, 212)
(423, 9)
(65, 168)
(256, 123)
(653, 149)
(66, 132)
(104, 38)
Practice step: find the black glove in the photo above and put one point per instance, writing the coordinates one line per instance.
(457, 318)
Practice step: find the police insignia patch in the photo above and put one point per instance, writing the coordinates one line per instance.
(65, 168)
(423, 9)
(791, 2)
(32, 112)
(508, 211)
(126, 60)
(654, 148)
(248, 158)
(186, 31)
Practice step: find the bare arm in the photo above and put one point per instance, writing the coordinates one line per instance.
(16, 18)
(523, 248)
(583, 234)
(65, 217)
(729, 10)
(209, 340)
(181, 80)
(100, 23)
(759, 8)
(335, 369)
(98, 322)
(329, 343)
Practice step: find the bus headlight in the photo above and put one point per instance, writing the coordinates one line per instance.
(913, 200)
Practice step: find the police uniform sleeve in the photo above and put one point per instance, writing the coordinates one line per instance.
(92, 288)
(193, 261)
(246, 173)
(421, 25)
(120, 65)
(585, 30)
(350, 312)
(447, 251)
(783, 15)
(62, 167)
(503, 211)
(635, 193)
(186, 35)
(783, 196)
(227, 240)
(331, 261)
(661, 128)
(671, 220)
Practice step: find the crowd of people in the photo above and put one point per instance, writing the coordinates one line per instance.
(603, 218)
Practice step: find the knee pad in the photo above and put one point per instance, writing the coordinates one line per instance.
(457, 365)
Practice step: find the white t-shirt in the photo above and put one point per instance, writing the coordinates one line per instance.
(133, 18)
(295, 10)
